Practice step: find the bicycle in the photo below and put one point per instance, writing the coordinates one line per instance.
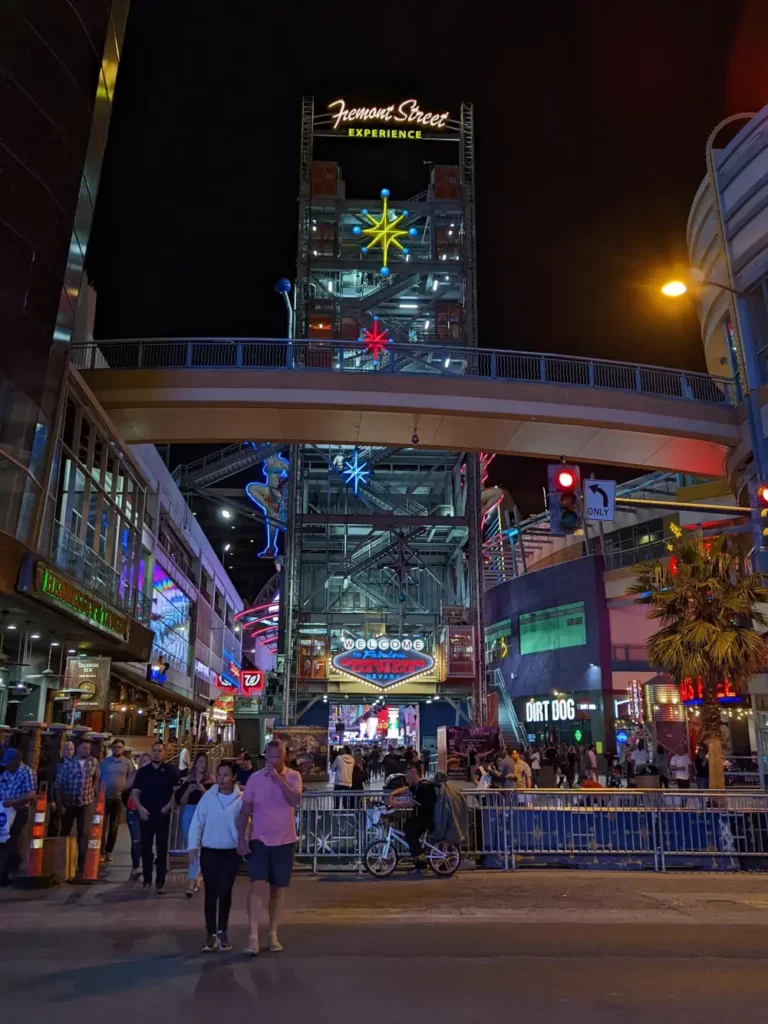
(382, 856)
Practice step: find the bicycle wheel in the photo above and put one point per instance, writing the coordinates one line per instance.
(444, 859)
(380, 861)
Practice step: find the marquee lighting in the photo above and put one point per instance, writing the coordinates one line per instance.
(384, 232)
(355, 472)
(375, 341)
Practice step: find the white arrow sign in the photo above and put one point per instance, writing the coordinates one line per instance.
(600, 500)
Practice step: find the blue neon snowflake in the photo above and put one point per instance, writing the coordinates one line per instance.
(355, 472)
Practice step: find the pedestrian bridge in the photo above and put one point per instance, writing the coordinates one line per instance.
(520, 403)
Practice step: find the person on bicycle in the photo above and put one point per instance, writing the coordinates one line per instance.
(422, 797)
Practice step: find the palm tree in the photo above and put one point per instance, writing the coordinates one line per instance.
(708, 606)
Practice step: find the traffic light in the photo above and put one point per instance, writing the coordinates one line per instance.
(564, 492)
(759, 502)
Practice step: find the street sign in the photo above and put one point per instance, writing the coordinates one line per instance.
(599, 500)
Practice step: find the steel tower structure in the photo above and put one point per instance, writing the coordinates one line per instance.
(384, 542)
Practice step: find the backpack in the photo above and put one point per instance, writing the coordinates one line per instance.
(451, 815)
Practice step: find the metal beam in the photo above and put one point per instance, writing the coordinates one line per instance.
(382, 522)
(687, 506)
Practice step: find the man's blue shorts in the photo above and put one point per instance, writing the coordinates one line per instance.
(273, 864)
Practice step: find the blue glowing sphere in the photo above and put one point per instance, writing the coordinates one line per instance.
(374, 318)
(364, 249)
(406, 251)
(401, 598)
(385, 271)
(357, 230)
(364, 213)
(385, 193)
(413, 232)
(405, 213)
(283, 286)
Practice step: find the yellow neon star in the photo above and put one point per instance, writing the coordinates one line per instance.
(384, 232)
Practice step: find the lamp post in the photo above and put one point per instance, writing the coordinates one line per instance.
(746, 363)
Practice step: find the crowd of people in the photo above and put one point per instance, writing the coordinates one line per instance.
(246, 810)
(351, 770)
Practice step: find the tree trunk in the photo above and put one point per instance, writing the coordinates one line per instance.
(712, 736)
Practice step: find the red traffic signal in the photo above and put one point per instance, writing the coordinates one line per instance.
(564, 499)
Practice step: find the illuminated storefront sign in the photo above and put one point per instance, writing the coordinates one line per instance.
(693, 692)
(59, 591)
(560, 709)
(384, 643)
(384, 661)
(230, 674)
(251, 682)
(407, 120)
(224, 710)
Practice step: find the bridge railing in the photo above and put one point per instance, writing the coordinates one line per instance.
(439, 360)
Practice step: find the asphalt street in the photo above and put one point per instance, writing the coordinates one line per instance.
(531, 945)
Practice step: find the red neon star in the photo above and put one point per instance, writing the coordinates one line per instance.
(375, 341)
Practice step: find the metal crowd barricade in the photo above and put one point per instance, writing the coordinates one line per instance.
(622, 828)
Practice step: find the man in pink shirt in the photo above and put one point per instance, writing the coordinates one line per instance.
(270, 800)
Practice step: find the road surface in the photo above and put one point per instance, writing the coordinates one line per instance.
(534, 945)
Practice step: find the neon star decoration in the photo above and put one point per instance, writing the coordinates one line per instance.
(355, 472)
(385, 232)
(376, 341)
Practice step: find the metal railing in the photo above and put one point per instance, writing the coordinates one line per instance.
(439, 360)
(81, 563)
(712, 830)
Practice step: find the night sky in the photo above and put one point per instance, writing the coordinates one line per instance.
(590, 117)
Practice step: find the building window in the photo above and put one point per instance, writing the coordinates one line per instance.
(218, 604)
(497, 639)
(553, 629)
(206, 582)
(230, 619)
(171, 620)
(638, 543)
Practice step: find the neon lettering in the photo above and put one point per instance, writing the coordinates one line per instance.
(407, 112)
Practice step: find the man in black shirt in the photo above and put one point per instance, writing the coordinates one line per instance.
(422, 798)
(153, 795)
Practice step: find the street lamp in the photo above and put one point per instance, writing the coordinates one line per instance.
(673, 289)
(225, 513)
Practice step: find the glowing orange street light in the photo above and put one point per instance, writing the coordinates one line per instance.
(674, 289)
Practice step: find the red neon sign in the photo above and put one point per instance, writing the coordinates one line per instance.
(252, 682)
(693, 692)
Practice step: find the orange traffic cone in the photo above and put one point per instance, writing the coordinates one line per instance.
(93, 854)
(37, 833)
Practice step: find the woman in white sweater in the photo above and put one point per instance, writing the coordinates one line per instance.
(213, 832)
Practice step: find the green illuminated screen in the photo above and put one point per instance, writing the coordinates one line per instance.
(553, 628)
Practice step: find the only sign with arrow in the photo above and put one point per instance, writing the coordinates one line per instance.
(600, 500)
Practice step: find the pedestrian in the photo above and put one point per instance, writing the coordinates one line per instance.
(133, 822)
(245, 769)
(116, 774)
(639, 755)
(681, 766)
(187, 797)
(153, 790)
(472, 762)
(582, 762)
(212, 841)
(359, 775)
(391, 763)
(74, 791)
(342, 769)
(185, 758)
(701, 766)
(592, 762)
(662, 766)
(522, 771)
(18, 786)
(567, 764)
(535, 762)
(267, 827)
(504, 772)
(68, 751)
(374, 763)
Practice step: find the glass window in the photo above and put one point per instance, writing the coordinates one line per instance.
(230, 618)
(553, 629)
(85, 440)
(218, 604)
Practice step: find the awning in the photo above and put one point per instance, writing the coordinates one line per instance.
(126, 675)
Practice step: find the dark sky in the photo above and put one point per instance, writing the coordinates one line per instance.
(591, 119)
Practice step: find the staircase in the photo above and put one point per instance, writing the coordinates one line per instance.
(512, 730)
(223, 463)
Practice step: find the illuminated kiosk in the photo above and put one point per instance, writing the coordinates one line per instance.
(381, 596)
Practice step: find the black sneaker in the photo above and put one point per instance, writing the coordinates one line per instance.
(211, 944)
(224, 942)
(160, 888)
